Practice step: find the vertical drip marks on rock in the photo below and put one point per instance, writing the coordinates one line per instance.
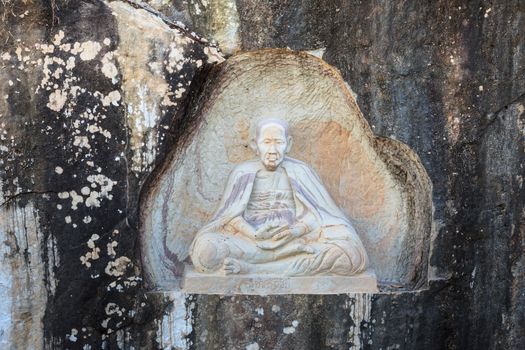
(360, 307)
(176, 324)
(22, 288)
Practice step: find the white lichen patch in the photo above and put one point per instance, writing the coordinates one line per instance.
(63, 195)
(104, 185)
(76, 199)
(118, 267)
(89, 50)
(176, 57)
(109, 69)
(179, 92)
(81, 141)
(58, 61)
(111, 248)
(57, 39)
(97, 129)
(93, 254)
(70, 63)
(112, 98)
(122, 284)
(45, 49)
(65, 47)
(59, 170)
(18, 52)
(57, 99)
(166, 101)
(114, 309)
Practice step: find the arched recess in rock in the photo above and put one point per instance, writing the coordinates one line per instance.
(380, 183)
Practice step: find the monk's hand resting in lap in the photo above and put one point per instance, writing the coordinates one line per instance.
(295, 231)
(268, 231)
(285, 235)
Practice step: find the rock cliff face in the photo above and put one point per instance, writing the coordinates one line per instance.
(94, 95)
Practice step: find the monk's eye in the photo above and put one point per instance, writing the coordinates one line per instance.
(280, 142)
(267, 142)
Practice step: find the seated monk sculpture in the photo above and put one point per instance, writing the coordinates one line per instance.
(276, 217)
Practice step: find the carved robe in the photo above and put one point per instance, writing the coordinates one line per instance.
(338, 248)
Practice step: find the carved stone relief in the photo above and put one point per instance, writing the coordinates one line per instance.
(378, 184)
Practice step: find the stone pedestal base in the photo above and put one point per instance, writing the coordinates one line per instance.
(199, 283)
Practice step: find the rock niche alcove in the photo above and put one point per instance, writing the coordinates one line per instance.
(379, 183)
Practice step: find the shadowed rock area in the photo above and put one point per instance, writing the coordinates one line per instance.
(95, 96)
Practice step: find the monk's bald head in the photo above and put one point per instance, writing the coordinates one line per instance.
(263, 123)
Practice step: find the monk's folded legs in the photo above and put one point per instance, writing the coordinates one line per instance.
(211, 250)
(324, 259)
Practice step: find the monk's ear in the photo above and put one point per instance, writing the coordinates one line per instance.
(253, 146)
(289, 145)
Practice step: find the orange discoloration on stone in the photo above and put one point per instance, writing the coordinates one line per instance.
(344, 166)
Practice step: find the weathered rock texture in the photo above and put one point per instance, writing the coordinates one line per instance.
(445, 77)
(88, 107)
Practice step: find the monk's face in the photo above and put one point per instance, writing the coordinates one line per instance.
(271, 146)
